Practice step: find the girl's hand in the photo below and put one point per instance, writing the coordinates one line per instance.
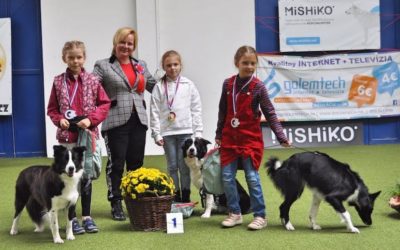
(85, 123)
(218, 142)
(64, 123)
(286, 144)
(160, 142)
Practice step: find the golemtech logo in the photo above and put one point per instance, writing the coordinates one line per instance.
(273, 87)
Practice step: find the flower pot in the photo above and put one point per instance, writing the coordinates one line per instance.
(394, 203)
(148, 213)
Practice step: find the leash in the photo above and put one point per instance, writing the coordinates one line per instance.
(293, 146)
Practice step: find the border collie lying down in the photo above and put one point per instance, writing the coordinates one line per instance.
(194, 151)
(45, 190)
(328, 179)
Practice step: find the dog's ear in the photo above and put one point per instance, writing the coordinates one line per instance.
(80, 149)
(206, 141)
(57, 149)
(374, 196)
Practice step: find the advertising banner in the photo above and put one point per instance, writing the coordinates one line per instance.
(5, 66)
(333, 87)
(322, 25)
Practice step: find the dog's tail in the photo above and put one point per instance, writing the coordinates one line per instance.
(285, 177)
(272, 165)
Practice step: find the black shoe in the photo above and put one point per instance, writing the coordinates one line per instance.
(116, 211)
(186, 195)
(177, 197)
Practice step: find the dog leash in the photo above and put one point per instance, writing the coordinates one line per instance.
(293, 146)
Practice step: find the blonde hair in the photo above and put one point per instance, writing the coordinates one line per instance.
(72, 45)
(121, 34)
(165, 56)
(168, 54)
(243, 50)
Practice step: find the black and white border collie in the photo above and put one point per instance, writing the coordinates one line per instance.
(45, 190)
(194, 151)
(328, 180)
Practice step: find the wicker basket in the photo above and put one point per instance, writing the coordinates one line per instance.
(148, 213)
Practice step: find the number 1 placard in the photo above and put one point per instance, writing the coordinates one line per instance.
(174, 223)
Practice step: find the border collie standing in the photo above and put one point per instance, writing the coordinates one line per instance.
(328, 180)
(45, 190)
(194, 151)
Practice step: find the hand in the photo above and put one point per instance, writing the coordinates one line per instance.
(218, 142)
(286, 144)
(160, 142)
(64, 123)
(84, 123)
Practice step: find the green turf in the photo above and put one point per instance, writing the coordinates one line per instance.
(379, 166)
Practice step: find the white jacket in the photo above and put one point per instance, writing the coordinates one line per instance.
(186, 105)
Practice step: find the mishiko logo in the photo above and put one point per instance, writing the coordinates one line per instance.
(309, 10)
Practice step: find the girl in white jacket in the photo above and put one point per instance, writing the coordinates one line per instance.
(175, 115)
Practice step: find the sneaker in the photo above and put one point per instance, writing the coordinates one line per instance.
(116, 211)
(257, 223)
(232, 220)
(76, 228)
(90, 226)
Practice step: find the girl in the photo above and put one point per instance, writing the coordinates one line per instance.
(239, 135)
(77, 101)
(175, 114)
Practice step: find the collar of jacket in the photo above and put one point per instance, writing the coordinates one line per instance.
(113, 58)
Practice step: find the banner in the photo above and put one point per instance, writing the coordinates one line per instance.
(333, 87)
(321, 25)
(5, 66)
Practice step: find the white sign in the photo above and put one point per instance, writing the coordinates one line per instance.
(5, 67)
(332, 87)
(322, 25)
(174, 223)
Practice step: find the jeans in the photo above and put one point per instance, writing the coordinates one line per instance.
(253, 183)
(175, 162)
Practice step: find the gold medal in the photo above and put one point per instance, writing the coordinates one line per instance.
(171, 116)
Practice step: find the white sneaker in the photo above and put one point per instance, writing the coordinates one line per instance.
(232, 220)
(257, 223)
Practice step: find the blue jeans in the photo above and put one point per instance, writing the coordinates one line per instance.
(253, 183)
(175, 162)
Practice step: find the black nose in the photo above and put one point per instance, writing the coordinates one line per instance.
(71, 169)
(191, 150)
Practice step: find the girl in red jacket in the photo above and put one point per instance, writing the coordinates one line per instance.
(77, 101)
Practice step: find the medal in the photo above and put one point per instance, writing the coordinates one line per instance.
(70, 114)
(171, 116)
(235, 121)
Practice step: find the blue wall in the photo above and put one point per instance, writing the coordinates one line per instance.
(376, 131)
(23, 134)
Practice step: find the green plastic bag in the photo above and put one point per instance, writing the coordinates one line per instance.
(212, 173)
(92, 156)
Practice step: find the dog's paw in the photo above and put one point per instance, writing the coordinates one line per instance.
(13, 231)
(205, 215)
(38, 229)
(287, 225)
(354, 230)
(58, 241)
(70, 237)
(316, 227)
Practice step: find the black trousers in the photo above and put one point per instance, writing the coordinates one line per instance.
(86, 197)
(125, 145)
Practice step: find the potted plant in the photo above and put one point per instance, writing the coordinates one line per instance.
(394, 201)
(148, 195)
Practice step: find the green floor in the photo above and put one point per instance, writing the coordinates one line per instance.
(379, 166)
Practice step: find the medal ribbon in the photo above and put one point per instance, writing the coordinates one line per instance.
(70, 99)
(235, 95)
(170, 102)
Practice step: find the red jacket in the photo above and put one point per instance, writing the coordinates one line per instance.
(90, 100)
